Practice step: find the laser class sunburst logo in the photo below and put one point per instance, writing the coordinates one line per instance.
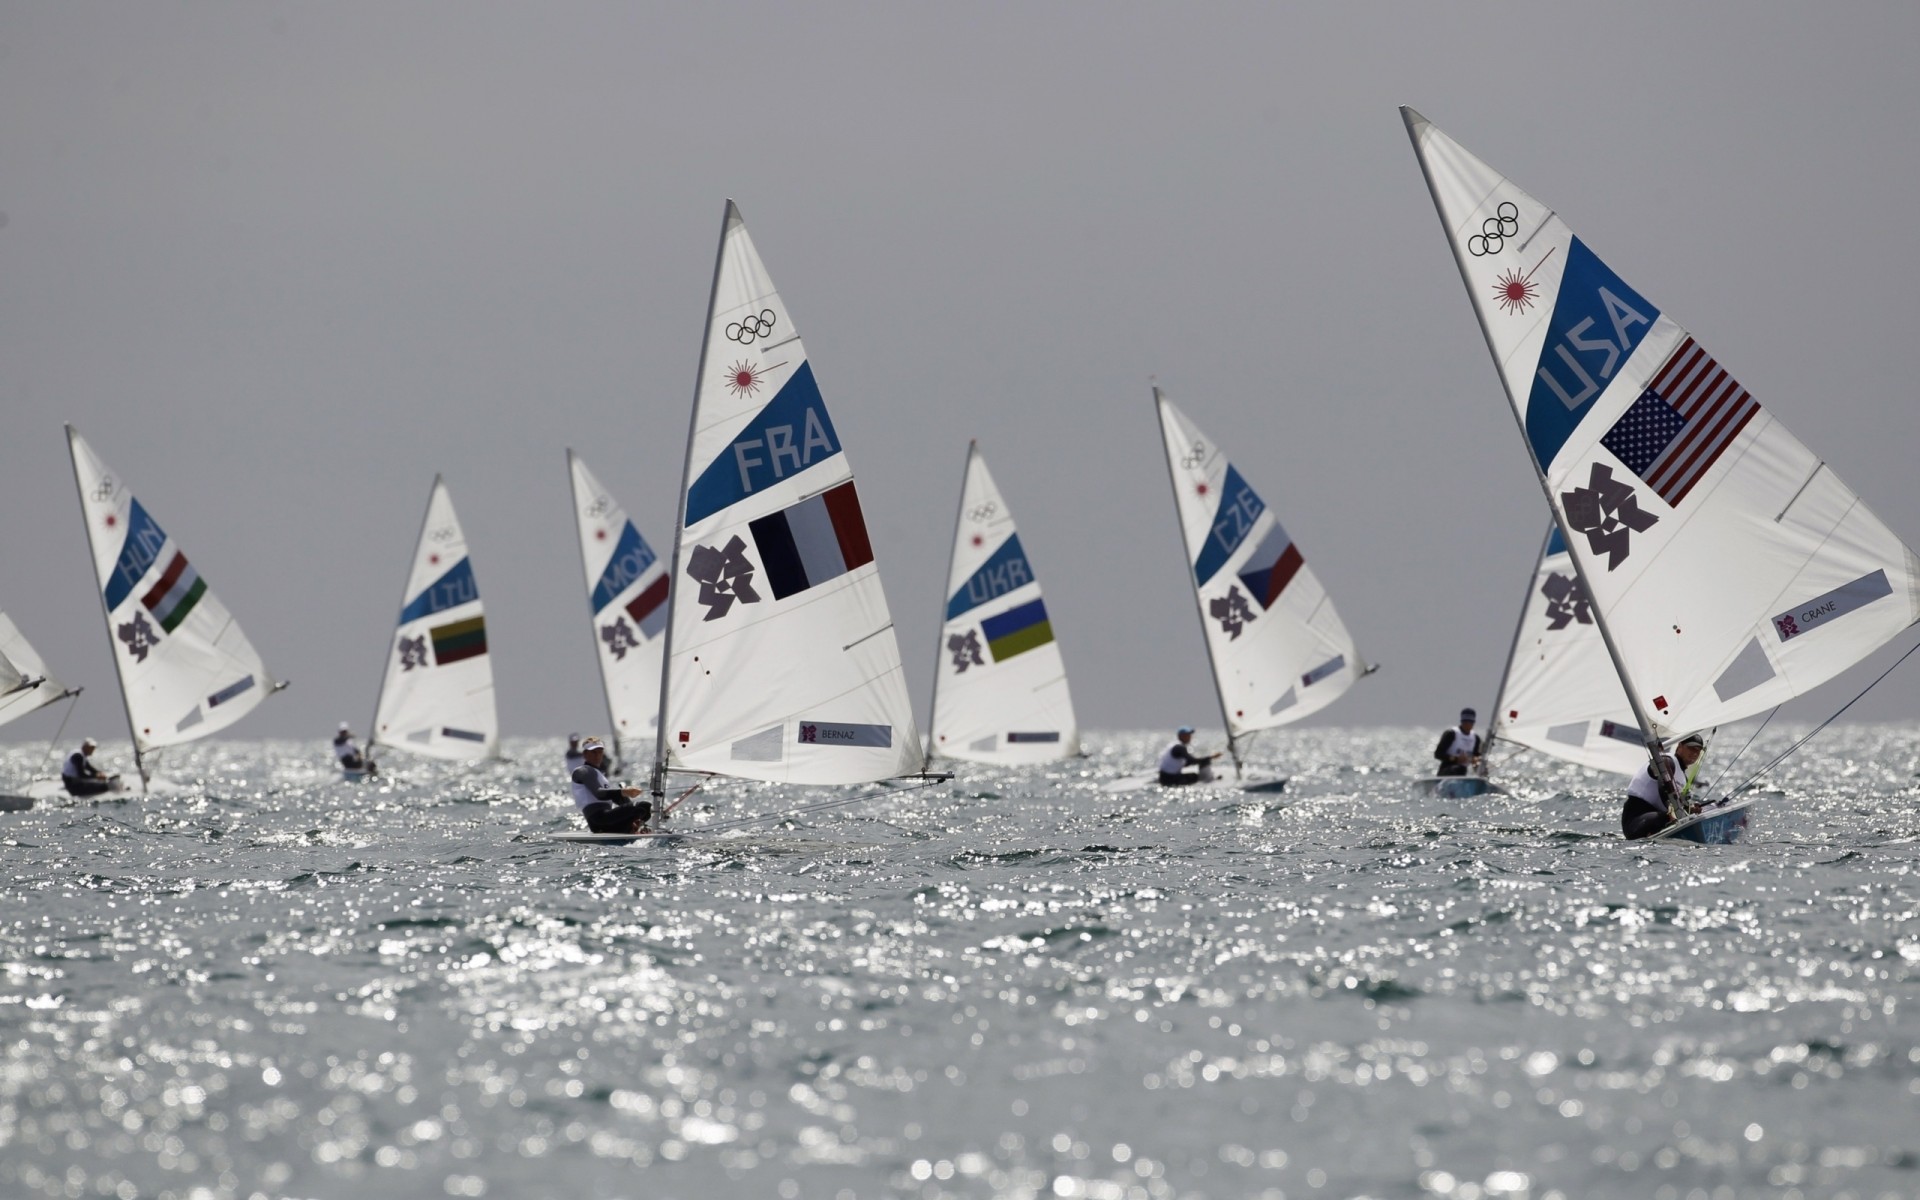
(1516, 292)
(743, 379)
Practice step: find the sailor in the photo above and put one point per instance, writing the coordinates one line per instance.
(1459, 748)
(1180, 766)
(1646, 811)
(81, 778)
(574, 757)
(347, 751)
(605, 807)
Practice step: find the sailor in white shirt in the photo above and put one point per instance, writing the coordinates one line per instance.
(1459, 748)
(605, 807)
(347, 750)
(81, 778)
(1180, 766)
(1646, 811)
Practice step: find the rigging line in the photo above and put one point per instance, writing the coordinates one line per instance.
(55, 740)
(822, 806)
(1743, 749)
(1822, 725)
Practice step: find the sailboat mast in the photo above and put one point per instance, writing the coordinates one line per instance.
(1519, 624)
(1546, 489)
(606, 694)
(657, 782)
(1213, 666)
(386, 671)
(106, 617)
(940, 626)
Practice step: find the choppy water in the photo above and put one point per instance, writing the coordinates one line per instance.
(1013, 985)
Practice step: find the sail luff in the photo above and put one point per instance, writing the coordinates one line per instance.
(939, 629)
(728, 219)
(106, 614)
(606, 685)
(1513, 647)
(1193, 580)
(386, 672)
(1413, 122)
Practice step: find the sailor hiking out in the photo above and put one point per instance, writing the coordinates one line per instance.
(81, 778)
(1460, 747)
(1651, 802)
(607, 808)
(1180, 766)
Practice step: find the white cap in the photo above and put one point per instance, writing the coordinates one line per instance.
(345, 728)
(592, 743)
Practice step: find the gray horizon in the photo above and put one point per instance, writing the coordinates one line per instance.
(281, 266)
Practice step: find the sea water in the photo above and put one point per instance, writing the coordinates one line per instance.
(276, 983)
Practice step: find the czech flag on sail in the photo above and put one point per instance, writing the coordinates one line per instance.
(460, 640)
(1018, 630)
(821, 538)
(173, 596)
(1271, 566)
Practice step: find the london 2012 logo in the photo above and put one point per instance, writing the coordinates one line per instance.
(1495, 230)
(748, 330)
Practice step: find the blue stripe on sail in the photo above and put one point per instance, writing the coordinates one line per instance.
(142, 545)
(631, 558)
(1555, 543)
(1240, 507)
(229, 692)
(1597, 322)
(454, 588)
(793, 432)
(1006, 571)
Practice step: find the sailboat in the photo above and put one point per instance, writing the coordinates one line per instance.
(1558, 692)
(1000, 686)
(627, 607)
(25, 686)
(436, 693)
(1278, 649)
(1726, 565)
(781, 661)
(186, 669)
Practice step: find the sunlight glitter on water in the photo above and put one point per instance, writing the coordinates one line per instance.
(279, 984)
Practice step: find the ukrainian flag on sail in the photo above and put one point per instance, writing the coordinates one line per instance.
(1018, 630)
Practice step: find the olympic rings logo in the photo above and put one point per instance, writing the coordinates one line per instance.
(443, 535)
(1495, 230)
(601, 506)
(983, 513)
(1195, 456)
(103, 491)
(752, 328)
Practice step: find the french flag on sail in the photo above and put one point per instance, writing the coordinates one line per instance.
(1681, 425)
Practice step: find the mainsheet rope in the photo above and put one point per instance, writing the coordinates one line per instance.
(1782, 756)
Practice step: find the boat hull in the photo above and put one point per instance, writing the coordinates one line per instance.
(1722, 826)
(15, 803)
(1457, 787)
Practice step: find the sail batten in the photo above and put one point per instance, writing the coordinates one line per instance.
(1726, 569)
(781, 663)
(436, 690)
(1278, 649)
(1000, 683)
(186, 669)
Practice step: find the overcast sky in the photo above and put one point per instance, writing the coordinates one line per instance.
(281, 263)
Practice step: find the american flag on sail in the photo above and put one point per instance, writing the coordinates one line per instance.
(1679, 427)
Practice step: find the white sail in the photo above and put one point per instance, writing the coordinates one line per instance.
(25, 684)
(186, 670)
(781, 661)
(1560, 695)
(1000, 685)
(436, 697)
(1279, 650)
(627, 607)
(1730, 565)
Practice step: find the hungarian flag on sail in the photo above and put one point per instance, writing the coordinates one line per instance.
(821, 538)
(173, 596)
(1680, 426)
